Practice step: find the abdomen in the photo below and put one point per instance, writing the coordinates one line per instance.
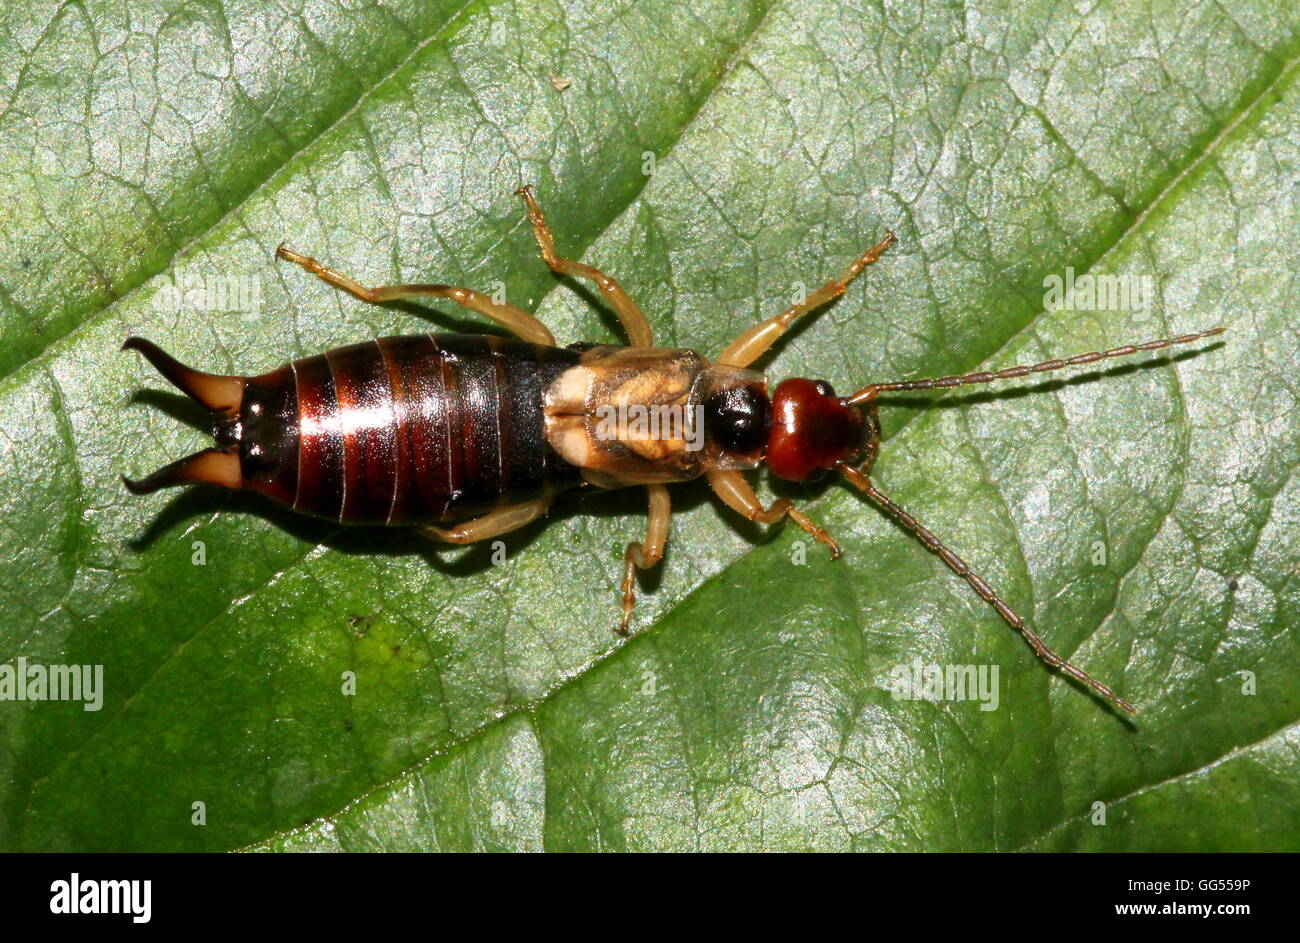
(404, 430)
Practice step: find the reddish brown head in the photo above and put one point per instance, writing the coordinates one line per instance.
(812, 430)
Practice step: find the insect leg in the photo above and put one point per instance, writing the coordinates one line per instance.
(960, 567)
(756, 341)
(508, 316)
(489, 525)
(737, 494)
(641, 556)
(629, 315)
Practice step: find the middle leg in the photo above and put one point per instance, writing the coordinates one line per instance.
(642, 556)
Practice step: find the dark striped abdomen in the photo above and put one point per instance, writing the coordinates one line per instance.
(403, 430)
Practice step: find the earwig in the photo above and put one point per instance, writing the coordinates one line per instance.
(467, 437)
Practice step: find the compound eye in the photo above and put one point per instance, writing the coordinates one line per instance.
(737, 418)
(824, 388)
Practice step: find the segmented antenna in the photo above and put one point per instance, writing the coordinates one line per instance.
(1011, 373)
(859, 479)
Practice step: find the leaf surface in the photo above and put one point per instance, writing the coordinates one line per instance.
(720, 160)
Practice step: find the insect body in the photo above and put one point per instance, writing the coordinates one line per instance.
(467, 437)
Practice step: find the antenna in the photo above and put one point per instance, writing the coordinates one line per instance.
(859, 479)
(1011, 373)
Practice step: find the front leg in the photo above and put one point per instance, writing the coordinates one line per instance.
(737, 494)
(756, 341)
(642, 556)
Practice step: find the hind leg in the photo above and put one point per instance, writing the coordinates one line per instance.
(629, 315)
(489, 525)
(508, 316)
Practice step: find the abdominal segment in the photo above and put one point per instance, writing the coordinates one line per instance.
(406, 430)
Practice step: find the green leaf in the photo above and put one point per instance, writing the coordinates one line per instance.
(719, 159)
